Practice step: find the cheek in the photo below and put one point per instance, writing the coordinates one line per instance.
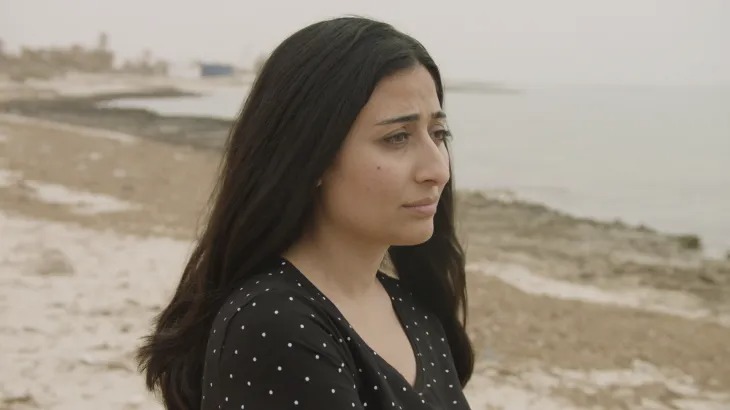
(368, 186)
(378, 183)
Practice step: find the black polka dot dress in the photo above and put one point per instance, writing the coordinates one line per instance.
(278, 343)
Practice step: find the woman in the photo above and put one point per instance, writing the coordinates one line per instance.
(337, 161)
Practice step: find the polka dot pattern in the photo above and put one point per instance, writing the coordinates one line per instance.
(278, 342)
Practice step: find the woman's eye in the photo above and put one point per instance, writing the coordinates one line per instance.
(397, 138)
(442, 135)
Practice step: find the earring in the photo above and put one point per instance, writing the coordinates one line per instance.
(319, 183)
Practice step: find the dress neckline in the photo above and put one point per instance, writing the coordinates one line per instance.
(383, 278)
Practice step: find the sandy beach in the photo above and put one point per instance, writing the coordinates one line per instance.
(99, 208)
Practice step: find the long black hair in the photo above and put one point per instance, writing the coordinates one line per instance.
(297, 114)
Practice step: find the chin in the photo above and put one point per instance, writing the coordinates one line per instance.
(414, 235)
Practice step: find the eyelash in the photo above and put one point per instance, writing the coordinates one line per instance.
(443, 135)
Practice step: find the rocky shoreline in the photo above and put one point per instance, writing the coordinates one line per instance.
(200, 132)
(565, 312)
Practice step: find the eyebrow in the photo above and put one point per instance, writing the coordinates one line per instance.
(410, 118)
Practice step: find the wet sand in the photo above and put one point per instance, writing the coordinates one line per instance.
(97, 216)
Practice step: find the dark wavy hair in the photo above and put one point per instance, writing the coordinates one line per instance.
(297, 114)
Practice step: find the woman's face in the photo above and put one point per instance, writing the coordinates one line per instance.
(393, 160)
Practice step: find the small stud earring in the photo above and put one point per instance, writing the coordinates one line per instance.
(319, 183)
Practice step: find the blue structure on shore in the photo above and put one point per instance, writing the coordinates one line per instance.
(215, 70)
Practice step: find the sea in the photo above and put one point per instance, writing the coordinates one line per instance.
(656, 156)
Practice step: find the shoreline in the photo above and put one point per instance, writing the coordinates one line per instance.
(535, 228)
(565, 313)
(206, 132)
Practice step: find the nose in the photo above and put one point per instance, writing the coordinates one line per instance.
(432, 162)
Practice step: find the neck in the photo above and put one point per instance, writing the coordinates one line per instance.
(337, 262)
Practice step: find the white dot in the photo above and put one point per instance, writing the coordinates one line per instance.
(235, 351)
(254, 359)
(231, 375)
(451, 386)
(316, 356)
(288, 344)
(276, 312)
(296, 402)
(243, 327)
(454, 401)
(278, 368)
(263, 334)
(375, 387)
(214, 350)
(324, 344)
(226, 398)
(301, 326)
(291, 298)
(306, 379)
(238, 309)
(253, 304)
(333, 391)
(404, 389)
(248, 383)
(271, 392)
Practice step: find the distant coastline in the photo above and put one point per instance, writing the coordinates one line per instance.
(477, 87)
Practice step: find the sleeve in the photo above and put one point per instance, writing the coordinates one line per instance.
(278, 354)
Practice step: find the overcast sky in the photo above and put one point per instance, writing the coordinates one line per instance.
(512, 41)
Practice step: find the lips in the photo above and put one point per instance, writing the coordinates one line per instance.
(425, 207)
(422, 202)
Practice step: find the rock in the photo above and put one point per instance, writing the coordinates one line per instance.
(16, 397)
(54, 262)
(691, 242)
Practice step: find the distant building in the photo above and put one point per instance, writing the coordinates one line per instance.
(216, 70)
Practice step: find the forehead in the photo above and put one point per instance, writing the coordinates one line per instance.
(408, 91)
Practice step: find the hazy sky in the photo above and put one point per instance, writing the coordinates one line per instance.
(513, 41)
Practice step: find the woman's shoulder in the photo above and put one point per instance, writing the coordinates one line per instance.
(273, 296)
